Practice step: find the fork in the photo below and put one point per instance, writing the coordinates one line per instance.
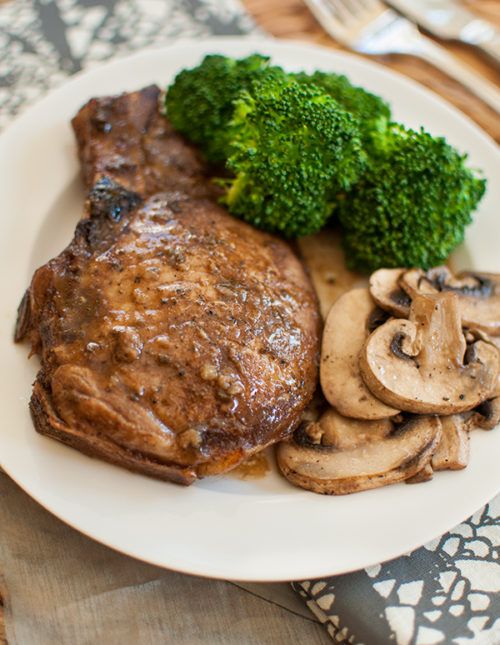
(369, 27)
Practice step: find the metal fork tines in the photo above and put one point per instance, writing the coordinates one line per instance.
(370, 27)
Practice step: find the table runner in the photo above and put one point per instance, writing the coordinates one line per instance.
(448, 591)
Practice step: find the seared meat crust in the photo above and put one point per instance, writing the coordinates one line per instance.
(174, 340)
(127, 139)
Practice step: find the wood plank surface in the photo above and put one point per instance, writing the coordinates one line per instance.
(3, 637)
(61, 587)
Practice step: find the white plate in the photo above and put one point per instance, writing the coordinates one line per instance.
(260, 529)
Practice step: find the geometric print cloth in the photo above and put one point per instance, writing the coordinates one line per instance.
(445, 592)
(43, 42)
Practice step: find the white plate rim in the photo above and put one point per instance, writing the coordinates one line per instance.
(233, 543)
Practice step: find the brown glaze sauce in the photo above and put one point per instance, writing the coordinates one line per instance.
(255, 467)
(324, 259)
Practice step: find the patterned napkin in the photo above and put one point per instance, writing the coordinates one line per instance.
(43, 42)
(447, 591)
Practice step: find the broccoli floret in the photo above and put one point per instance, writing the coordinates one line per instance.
(293, 150)
(301, 147)
(371, 111)
(412, 204)
(289, 146)
(199, 103)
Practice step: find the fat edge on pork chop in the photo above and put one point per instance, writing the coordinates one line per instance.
(174, 340)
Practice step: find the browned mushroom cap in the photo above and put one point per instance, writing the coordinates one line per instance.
(386, 291)
(358, 455)
(349, 322)
(421, 364)
(479, 293)
(452, 452)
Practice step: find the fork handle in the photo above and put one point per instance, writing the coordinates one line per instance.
(478, 33)
(425, 48)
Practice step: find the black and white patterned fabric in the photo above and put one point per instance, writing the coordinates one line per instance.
(447, 591)
(43, 42)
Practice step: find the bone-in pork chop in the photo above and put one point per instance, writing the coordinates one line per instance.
(127, 139)
(174, 339)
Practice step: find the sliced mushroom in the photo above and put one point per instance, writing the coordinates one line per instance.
(424, 475)
(386, 291)
(359, 455)
(479, 293)
(452, 452)
(350, 320)
(486, 415)
(475, 334)
(495, 340)
(344, 433)
(421, 365)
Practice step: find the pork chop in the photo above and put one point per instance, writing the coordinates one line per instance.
(174, 339)
(128, 139)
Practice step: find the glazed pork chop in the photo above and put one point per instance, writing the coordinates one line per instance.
(126, 138)
(174, 339)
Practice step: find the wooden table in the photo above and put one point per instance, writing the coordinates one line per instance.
(291, 19)
(3, 639)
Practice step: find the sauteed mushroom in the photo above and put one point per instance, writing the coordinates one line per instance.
(348, 324)
(421, 365)
(452, 452)
(440, 355)
(338, 455)
(478, 293)
(387, 292)
(486, 415)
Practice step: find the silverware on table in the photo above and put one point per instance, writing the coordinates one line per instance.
(448, 20)
(370, 27)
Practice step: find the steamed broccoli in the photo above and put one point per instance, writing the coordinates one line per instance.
(293, 149)
(372, 112)
(300, 147)
(199, 103)
(411, 205)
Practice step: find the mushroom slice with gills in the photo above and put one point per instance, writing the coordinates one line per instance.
(423, 364)
(386, 291)
(475, 334)
(478, 293)
(349, 323)
(486, 415)
(452, 452)
(342, 455)
(472, 335)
